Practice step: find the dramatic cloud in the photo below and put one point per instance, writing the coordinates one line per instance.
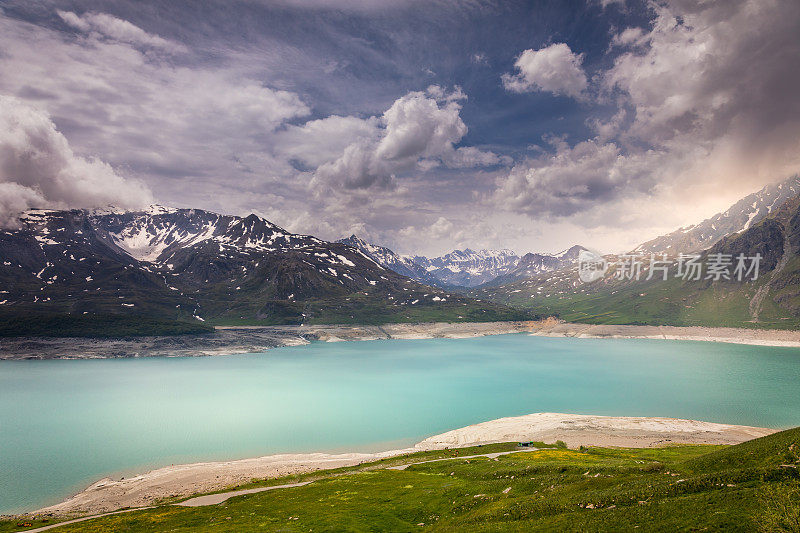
(418, 132)
(711, 77)
(706, 104)
(314, 113)
(186, 129)
(554, 69)
(39, 169)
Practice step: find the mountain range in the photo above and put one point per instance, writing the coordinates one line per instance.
(385, 257)
(165, 270)
(190, 266)
(467, 268)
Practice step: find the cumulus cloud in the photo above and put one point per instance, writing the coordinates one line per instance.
(323, 140)
(418, 132)
(571, 180)
(629, 37)
(117, 29)
(555, 69)
(39, 169)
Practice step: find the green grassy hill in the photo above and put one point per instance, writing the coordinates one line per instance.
(753, 486)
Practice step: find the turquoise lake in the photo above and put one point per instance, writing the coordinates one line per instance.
(65, 424)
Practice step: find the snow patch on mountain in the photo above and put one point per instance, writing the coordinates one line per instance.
(741, 216)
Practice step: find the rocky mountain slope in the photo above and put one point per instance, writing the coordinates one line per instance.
(741, 216)
(385, 257)
(193, 265)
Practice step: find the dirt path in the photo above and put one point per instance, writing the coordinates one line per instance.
(214, 499)
(84, 519)
(494, 455)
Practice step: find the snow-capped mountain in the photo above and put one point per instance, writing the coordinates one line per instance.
(198, 265)
(385, 257)
(469, 268)
(739, 217)
(466, 268)
(533, 264)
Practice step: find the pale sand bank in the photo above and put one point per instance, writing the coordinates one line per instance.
(184, 480)
(758, 337)
(254, 339)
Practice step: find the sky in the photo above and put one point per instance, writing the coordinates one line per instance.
(423, 125)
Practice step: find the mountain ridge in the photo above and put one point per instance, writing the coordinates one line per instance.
(195, 265)
(737, 218)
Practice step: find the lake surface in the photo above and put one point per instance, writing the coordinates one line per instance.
(65, 424)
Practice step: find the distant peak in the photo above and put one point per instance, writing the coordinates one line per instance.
(157, 209)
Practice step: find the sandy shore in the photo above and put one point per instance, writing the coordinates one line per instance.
(254, 339)
(758, 337)
(590, 430)
(184, 480)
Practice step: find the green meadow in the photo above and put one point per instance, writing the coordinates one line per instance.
(752, 486)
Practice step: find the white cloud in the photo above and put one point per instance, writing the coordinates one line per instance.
(323, 140)
(555, 69)
(39, 169)
(118, 30)
(629, 37)
(479, 59)
(418, 132)
(421, 126)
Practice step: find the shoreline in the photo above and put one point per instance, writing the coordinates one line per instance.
(142, 490)
(753, 337)
(230, 340)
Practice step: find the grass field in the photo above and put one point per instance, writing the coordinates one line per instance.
(100, 326)
(753, 486)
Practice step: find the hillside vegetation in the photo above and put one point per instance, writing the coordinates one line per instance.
(753, 486)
